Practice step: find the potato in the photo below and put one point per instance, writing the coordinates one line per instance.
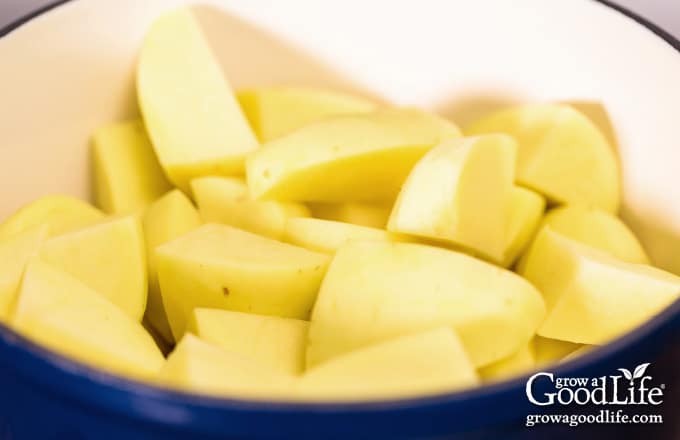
(192, 116)
(275, 111)
(430, 362)
(592, 297)
(15, 251)
(583, 349)
(598, 229)
(377, 290)
(352, 158)
(460, 192)
(373, 215)
(520, 362)
(328, 236)
(167, 218)
(60, 213)
(127, 176)
(548, 351)
(276, 343)
(220, 200)
(526, 210)
(562, 154)
(63, 314)
(109, 258)
(198, 366)
(227, 268)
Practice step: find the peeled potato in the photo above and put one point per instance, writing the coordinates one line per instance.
(526, 210)
(193, 118)
(548, 351)
(328, 236)
(198, 366)
(276, 111)
(561, 154)
(430, 362)
(167, 218)
(227, 268)
(109, 258)
(373, 215)
(15, 251)
(374, 291)
(598, 229)
(460, 192)
(520, 362)
(591, 296)
(277, 343)
(127, 176)
(350, 158)
(59, 312)
(226, 200)
(61, 214)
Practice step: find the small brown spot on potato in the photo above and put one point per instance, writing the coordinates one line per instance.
(225, 291)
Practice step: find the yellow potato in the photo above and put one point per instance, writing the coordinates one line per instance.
(378, 290)
(167, 218)
(549, 350)
(363, 214)
(352, 158)
(127, 176)
(276, 343)
(520, 362)
(328, 236)
(60, 213)
(562, 154)
(430, 362)
(275, 111)
(226, 200)
(598, 229)
(592, 297)
(109, 258)
(460, 192)
(526, 210)
(198, 366)
(15, 251)
(193, 118)
(65, 315)
(584, 349)
(227, 268)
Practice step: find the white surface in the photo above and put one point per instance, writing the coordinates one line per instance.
(71, 70)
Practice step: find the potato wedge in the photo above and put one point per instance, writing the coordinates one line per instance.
(520, 362)
(373, 215)
(526, 211)
(328, 236)
(548, 351)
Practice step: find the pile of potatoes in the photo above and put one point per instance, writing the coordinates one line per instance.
(295, 243)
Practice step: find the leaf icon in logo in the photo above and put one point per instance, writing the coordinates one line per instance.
(640, 370)
(626, 373)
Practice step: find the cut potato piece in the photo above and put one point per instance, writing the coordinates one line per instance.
(350, 158)
(63, 314)
(591, 296)
(277, 343)
(127, 176)
(275, 111)
(60, 213)
(377, 290)
(198, 366)
(167, 218)
(109, 258)
(15, 251)
(423, 363)
(526, 210)
(518, 363)
(363, 214)
(598, 229)
(218, 266)
(220, 200)
(192, 116)
(584, 349)
(561, 154)
(548, 351)
(328, 236)
(460, 192)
